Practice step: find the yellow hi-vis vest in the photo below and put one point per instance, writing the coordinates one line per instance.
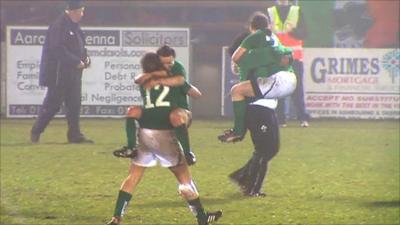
(281, 29)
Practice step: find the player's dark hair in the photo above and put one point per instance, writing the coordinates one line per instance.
(151, 62)
(166, 51)
(259, 21)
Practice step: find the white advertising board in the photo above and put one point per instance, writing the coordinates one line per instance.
(107, 86)
(352, 83)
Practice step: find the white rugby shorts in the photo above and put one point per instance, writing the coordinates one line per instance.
(158, 146)
(278, 85)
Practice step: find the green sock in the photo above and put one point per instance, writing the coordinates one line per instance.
(239, 110)
(122, 202)
(130, 128)
(196, 208)
(183, 137)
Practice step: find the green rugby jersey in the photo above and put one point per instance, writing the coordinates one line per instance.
(181, 100)
(158, 102)
(263, 55)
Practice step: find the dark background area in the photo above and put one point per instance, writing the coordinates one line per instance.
(213, 24)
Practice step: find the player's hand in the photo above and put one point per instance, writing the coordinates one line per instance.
(285, 60)
(190, 158)
(134, 111)
(81, 65)
(234, 68)
(87, 62)
(142, 78)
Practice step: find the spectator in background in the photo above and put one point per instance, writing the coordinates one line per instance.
(288, 24)
(64, 57)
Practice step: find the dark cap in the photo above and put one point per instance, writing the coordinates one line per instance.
(74, 4)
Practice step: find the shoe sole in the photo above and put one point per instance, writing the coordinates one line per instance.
(230, 139)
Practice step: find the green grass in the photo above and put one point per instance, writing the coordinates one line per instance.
(334, 172)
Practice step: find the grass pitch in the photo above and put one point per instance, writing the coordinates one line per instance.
(334, 172)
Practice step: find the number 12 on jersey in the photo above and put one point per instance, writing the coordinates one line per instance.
(160, 99)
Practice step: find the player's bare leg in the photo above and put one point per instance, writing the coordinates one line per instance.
(124, 195)
(181, 119)
(242, 90)
(279, 85)
(239, 93)
(187, 189)
(180, 116)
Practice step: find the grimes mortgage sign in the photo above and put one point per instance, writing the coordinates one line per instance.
(353, 83)
(341, 83)
(108, 86)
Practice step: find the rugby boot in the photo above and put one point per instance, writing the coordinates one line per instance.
(230, 136)
(125, 152)
(258, 194)
(209, 217)
(304, 124)
(114, 221)
(190, 158)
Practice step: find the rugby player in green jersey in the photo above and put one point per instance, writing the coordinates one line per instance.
(179, 117)
(265, 73)
(158, 144)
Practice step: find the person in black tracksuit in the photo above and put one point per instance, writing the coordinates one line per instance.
(264, 131)
(262, 123)
(63, 59)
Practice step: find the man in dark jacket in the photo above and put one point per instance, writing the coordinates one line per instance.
(63, 59)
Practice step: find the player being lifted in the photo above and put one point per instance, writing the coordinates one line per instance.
(264, 69)
(180, 117)
(158, 143)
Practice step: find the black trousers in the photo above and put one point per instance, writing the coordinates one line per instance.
(68, 92)
(264, 131)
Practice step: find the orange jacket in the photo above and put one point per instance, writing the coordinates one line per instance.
(281, 29)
